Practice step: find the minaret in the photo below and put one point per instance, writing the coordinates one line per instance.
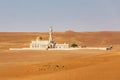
(50, 34)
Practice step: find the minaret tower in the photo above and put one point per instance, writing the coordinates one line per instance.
(50, 34)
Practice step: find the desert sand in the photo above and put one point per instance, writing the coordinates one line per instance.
(60, 65)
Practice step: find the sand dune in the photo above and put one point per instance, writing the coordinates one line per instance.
(65, 65)
(60, 65)
(22, 39)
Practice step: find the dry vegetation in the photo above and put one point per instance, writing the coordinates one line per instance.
(60, 65)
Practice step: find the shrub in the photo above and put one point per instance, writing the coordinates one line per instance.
(74, 45)
(39, 38)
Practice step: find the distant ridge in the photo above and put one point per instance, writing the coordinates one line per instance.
(69, 30)
(19, 39)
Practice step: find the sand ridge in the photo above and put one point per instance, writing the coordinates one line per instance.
(23, 39)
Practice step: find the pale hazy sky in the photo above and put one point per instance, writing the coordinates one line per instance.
(78, 15)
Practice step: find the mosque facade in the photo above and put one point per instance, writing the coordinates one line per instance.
(47, 44)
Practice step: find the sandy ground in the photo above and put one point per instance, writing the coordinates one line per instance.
(60, 65)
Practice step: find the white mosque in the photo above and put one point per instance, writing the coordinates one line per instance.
(47, 44)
